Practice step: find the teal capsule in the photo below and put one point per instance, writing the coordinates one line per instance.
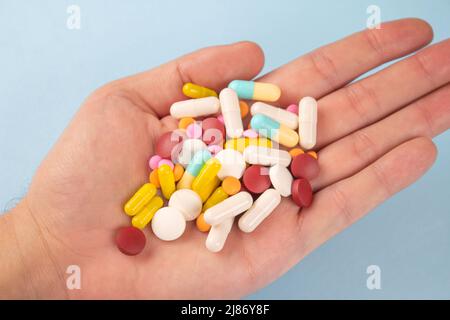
(255, 90)
(197, 162)
(273, 130)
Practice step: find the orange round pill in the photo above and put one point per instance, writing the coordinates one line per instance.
(201, 224)
(295, 152)
(185, 122)
(313, 154)
(154, 178)
(178, 172)
(244, 108)
(231, 185)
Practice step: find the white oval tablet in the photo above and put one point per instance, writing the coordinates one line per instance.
(195, 107)
(168, 224)
(188, 202)
(188, 149)
(218, 235)
(231, 112)
(233, 164)
(280, 115)
(281, 179)
(266, 156)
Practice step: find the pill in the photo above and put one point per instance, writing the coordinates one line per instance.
(302, 192)
(239, 144)
(232, 164)
(194, 131)
(167, 143)
(231, 112)
(228, 208)
(153, 162)
(195, 91)
(266, 156)
(313, 154)
(189, 148)
(250, 133)
(260, 210)
(206, 192)
(207, 178)
(256, 179)
(165, 161)
(213, 131)
(185, 122)
(130, 241)
(168, 224)
(153, 178)
(218, 235)
(282, 116)
(216, 197)
(305, 166)
(178, 172)
(142, 219)
(202, 226)
(187, 202)
(272, 129)
(281, 179)
(166, 180)
(195, 107)
(295, 152)
(255, 90)
(231, 185)
(192, 170)
(244, 109)
(143, 196)
(214, 149)
(292, 108)
(307, 130)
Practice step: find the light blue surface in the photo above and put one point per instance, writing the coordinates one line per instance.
(47, 70)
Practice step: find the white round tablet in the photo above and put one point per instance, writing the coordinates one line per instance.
(187, 202)
(233, 164)
(168, 224)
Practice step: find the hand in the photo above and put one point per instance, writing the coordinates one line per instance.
(373, 136)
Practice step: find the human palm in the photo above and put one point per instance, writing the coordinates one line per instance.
(373, 140)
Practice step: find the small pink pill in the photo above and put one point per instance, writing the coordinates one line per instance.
(194, 131)
(165, 161)
(153, 162)
(293, 108)
(214, 149)
(220, 118)
(250, 133)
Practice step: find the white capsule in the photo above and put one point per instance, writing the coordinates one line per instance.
(195, 107)
(266, 156)
(231, 112)
(228, 208)
(233, 164)
(261, 209)
(188, 149)
(168, 224)
(188, 202)
(218, 235)
(307, 127)
(281, 179)
(282, 116)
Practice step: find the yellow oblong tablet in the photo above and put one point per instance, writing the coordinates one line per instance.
(140, 199)
(166, 180)
(217, 196)
(206, 175)
(142, 219)
(206, 191)
(195, 91)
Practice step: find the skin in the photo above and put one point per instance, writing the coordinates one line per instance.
(74, 204)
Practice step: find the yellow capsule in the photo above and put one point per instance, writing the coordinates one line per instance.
(217, 196)
(140, 199)
(260, 142)
(207, 174)
(166, 180)
(146, 214)
(195, 91)
(206, 191)
(238, 144)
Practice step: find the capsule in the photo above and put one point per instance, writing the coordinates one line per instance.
(255, 90)
(140, 199)
(285, 117)
(239, 144)
(266, 156)
(195, 91)
(218, 234)
(207, 181)
(142, 219)
(228, 208)
(260, 210)
(166, 180)
(274, 130)
(188, 149)
(208, 189)
(307, 115)
(194, 167)
(231, 112)
(195, 107)
(281, 179)
(217, 196)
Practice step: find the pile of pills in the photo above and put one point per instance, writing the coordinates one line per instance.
(211, 169)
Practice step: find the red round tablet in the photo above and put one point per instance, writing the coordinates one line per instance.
(302, 192)
(256, 179)
(213, 131)
(168, 142)
(130, 240)
(305, 166)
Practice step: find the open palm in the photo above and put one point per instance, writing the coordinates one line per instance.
(373, 136)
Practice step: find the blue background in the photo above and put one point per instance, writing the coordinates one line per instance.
(47, 70)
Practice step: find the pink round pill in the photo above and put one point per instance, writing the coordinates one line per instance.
(250, 133)
(194, 131)
(153, 162)
(165, 161)
(220, 118)
(293, 108)
(214, 149)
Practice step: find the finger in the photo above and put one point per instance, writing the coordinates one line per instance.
(426, 117)
(212, 67)
(346, 201)
(332, 66)
(368, 100)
